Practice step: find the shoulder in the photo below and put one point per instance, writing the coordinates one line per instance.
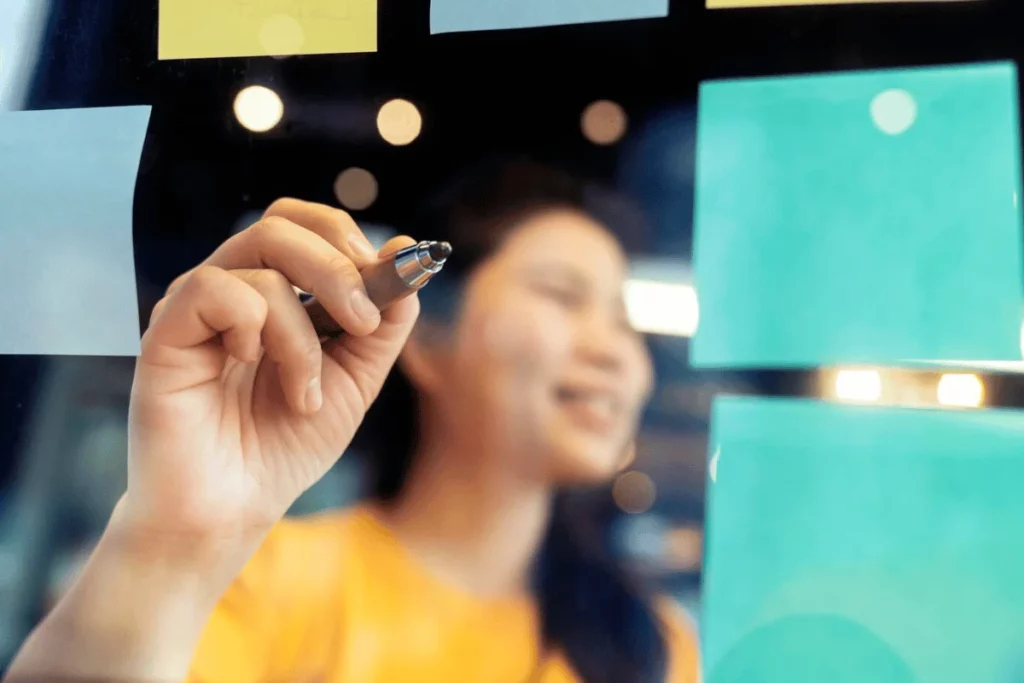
(680, 632)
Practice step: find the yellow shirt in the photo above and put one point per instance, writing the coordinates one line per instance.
(336, 599)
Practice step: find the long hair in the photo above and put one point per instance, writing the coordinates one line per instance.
(592, 611)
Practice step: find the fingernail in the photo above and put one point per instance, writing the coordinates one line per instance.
(314, 396)
(361, 247)
(363, 307)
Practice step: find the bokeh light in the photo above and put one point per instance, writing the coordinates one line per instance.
(634, 492)
(858, 386)
(258, 108)
(894, 111)
(961, 390)
(356, 189)
(399, 122)
(662, 307)
(604, 122)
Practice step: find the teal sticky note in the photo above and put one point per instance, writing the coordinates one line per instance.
(859, 217)
(67, 265)
(852, 543)
(448, 16)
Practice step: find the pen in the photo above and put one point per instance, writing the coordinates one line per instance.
(389, 280)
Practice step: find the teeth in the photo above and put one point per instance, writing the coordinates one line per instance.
(599, 403)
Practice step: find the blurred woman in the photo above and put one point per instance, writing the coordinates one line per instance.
(522, 380)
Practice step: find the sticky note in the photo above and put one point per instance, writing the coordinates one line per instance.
(67, 266)
(852, 543)
(449, 16)
(727, 4)
(192, 29)
(858, 217)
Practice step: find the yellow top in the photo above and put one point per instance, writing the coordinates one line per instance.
(336, 599)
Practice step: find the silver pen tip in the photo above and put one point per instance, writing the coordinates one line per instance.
(439, 251)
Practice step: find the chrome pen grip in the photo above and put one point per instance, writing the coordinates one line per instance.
(388, 281)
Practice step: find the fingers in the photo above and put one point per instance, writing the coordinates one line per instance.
(289, 339)
(210, 302)
(333, 225)
(307, 261)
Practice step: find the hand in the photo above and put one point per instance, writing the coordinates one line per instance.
(236, 408)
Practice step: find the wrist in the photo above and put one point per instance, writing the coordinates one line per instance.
(183, 553)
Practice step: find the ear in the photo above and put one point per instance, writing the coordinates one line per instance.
(423, 358)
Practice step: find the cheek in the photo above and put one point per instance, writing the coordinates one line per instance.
(511, 336)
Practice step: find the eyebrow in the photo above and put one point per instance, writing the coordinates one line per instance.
(558, 268)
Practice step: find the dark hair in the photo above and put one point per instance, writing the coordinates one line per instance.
(591, 610)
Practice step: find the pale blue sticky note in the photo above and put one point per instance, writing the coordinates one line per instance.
(851, 543)
(449, 16)
(859, 217)
(67, 267)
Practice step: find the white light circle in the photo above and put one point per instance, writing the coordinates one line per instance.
(258, 108)
(894, 111)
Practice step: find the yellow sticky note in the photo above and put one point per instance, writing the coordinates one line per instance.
(194, 29)
(727, 4)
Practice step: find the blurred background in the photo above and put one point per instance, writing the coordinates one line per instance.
(372, 134)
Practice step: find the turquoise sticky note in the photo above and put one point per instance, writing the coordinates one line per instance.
(851, 543)
(67, 266)
(449, 16)
(859, 217)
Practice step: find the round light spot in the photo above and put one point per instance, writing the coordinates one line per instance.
(356, 189)
(399, 122)
(634, 492)
(282, 34)
(604, 122)
(894, 111)
(258, 108)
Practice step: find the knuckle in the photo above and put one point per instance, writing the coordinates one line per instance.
(279, 206)
(268, 228)
(203, 278)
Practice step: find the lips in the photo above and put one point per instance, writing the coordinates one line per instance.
(594, 409)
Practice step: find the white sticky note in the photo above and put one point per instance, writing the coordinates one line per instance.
(449, 16)
(67, 266)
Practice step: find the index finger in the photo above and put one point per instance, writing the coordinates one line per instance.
(334, 225)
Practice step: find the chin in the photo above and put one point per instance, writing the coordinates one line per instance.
(586, 466)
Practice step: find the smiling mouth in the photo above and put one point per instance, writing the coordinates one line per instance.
(595, 410)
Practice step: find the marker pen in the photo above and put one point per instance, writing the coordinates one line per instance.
(389, 280)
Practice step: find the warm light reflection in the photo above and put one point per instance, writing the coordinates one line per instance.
(634, 492)
(961, 390)
(862, 386)
(604, 122)
(356, 189)
(662, 307)
(399, 122)
(258, 108)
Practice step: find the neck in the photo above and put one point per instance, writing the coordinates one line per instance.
(470, 523)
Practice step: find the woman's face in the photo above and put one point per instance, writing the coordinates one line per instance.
(545, 367)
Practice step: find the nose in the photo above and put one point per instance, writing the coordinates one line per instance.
(600, 346)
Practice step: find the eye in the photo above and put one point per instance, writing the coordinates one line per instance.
(562, 294)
